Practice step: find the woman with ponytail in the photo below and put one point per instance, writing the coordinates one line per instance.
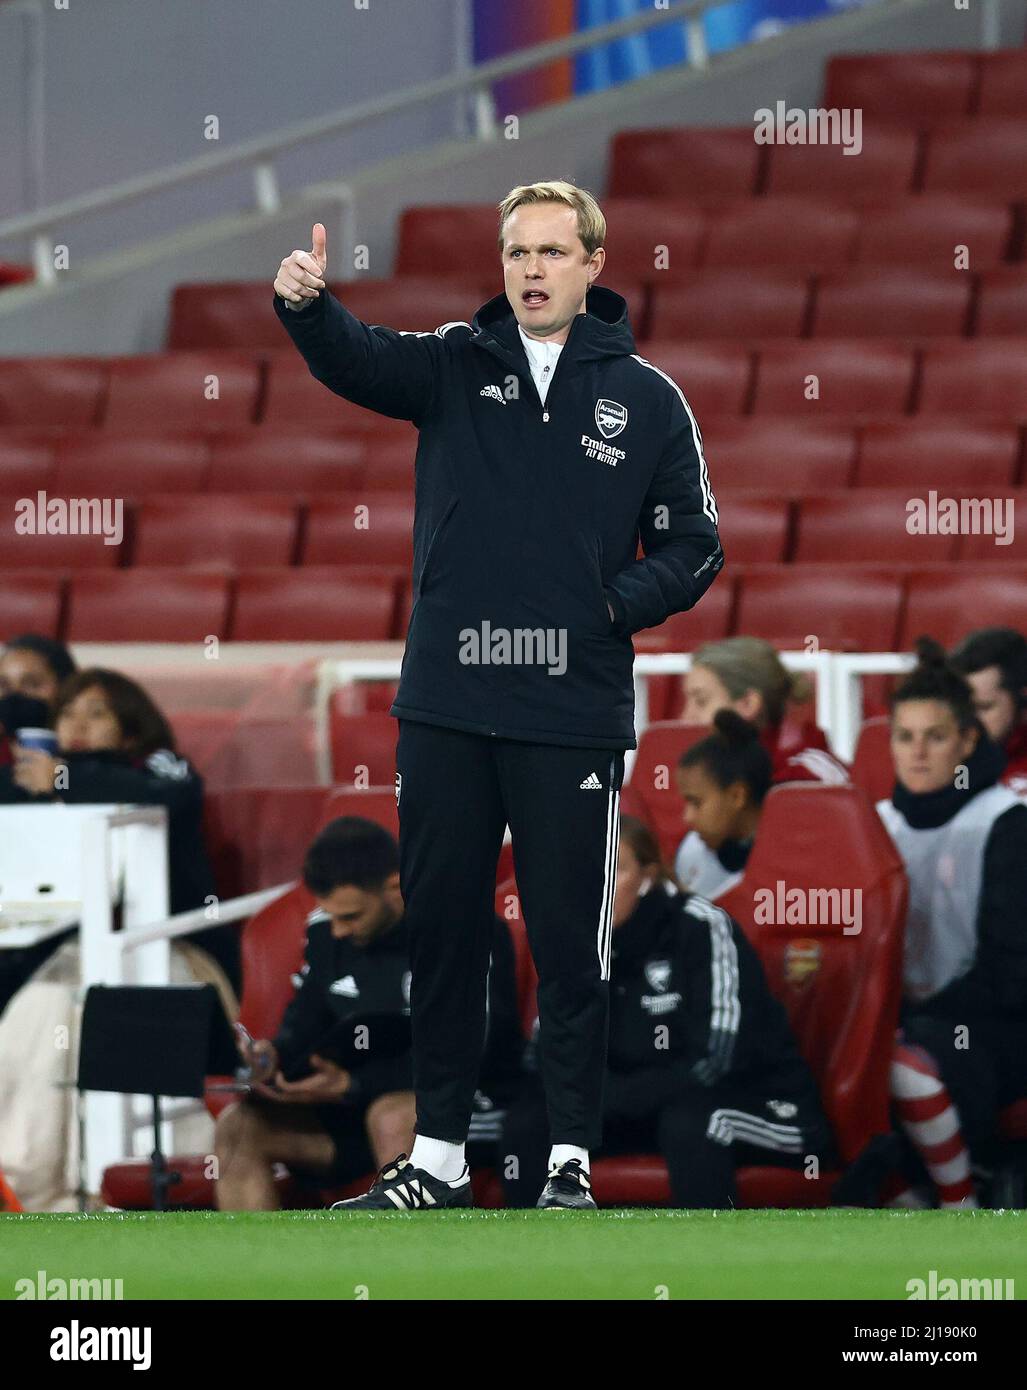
(746, 674)
(702, 1065)
(723, 781)
(962, 1051)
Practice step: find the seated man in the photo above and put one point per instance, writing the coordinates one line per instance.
(994, 662)
(703, 1068)
(333, 1092)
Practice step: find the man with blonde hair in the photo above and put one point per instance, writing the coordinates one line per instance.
(547, 448)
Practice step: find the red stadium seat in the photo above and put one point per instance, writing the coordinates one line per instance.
(177, 389)
(841, 991)
(463, 234)
(872, 766)
(372, 803)
(875, 301)
(986, 156)
(228, 315)
(262, 459)
(30, 601)
(786, 601)
(55, 392)
(829, 532)
(419, 303)
(652, 783)
(1002, 302)
(365, 529)
(130, 465)
(853, 378)
(1003, 83)
(715, 377)
(363, 747)
(806, 234)
(710, 163)
(949, 606)
(26, 462)
(639, 230)
(882, 168)
(314, 604)
(257, 835)
(916, 87)
(798, 457)
(730, 304)
(926, 230)
(755, 527)
(140, 605)
(708, 621)
(240, 529)
(937, 453)
(65, 533)
(389, 464)
(293, 394)
(985, 377)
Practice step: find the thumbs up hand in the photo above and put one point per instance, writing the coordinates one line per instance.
(300, 276)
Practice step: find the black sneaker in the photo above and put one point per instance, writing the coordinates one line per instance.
(402, 1187)
(569, 1187)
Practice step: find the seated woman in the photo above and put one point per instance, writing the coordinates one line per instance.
(723, 781)
(114, 745)
(32, 668)
(747, 675)
(962, 1051)
(703, 1068)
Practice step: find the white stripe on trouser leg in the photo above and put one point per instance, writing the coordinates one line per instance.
(609, 879)
(725, 1126)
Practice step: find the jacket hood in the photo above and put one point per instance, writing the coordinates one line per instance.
(601, 331)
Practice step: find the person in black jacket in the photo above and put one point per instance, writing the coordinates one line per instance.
(114, 745)
(962, 1050)
(332, 1093)
(703, 1066)
(548, 448)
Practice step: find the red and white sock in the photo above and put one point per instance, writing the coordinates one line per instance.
(931, 1123)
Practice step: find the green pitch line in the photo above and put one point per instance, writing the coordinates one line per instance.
(630, 1254)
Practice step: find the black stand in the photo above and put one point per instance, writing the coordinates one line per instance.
(156, 1040)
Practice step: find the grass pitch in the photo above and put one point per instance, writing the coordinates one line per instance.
(630, 1254)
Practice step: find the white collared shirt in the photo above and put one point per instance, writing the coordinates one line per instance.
(542, 359)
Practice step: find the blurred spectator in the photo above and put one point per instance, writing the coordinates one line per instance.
(31, 671)
(747, 675)
(114, 745)
(723, 781)
(338, 1117)
(703, 1068)
(994, 662)
(962, 1051)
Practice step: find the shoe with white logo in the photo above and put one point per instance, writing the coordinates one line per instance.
(402, 1187)
(591, 783)
(568, 1187)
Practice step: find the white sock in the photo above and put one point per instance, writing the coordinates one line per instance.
(442, 1160)
(561, 1153)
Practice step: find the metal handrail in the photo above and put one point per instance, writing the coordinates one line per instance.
(261, 150)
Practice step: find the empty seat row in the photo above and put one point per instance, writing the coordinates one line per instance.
(813, 378)
(260, 529)
(885, 158)
(726, 301)
(743, 452)
(319, 603)
(929, 86)
(862, 607)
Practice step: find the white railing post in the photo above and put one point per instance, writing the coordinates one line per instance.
(698, 50)
(265, 187)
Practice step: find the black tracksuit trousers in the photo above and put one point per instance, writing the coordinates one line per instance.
(457, 793)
